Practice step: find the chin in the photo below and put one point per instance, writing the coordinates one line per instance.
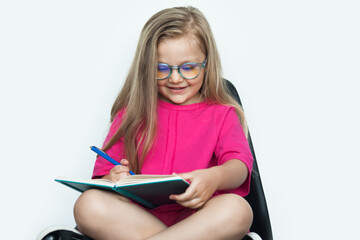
(178, 102)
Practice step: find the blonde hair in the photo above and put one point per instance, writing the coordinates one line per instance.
(139, 95)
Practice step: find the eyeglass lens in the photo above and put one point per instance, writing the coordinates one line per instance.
(187, 70)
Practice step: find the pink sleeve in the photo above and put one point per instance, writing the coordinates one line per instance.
(232, 144)
(102, 166)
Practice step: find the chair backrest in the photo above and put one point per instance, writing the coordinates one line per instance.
(256, 198)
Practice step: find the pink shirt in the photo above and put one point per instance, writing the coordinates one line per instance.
(190, 137)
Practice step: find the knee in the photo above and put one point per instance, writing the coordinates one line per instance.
(235, 213)
(88, 205)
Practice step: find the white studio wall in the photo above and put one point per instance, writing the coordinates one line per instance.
(295, 65)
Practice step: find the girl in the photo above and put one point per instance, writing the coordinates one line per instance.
(174, 115)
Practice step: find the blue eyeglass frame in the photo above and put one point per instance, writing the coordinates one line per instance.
(202, 65)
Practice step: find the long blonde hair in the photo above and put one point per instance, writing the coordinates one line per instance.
(139, 95)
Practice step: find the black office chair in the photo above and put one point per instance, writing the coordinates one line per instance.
(256, 198)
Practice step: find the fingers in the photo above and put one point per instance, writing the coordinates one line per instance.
(186, 176)
(189, 202)
(199, 191)
(124, 162)
(119, 171)
(190, 198)
(187, 195)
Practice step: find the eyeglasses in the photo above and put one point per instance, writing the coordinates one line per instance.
(188, 70)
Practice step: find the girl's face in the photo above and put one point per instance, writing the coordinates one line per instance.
(176, 89)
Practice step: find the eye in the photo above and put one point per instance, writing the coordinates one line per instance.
(189, 66)
(163, 71)
(163, 67)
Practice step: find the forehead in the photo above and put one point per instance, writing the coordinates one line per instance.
(178, 50)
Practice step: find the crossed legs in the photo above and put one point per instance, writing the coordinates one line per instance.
(105, 215)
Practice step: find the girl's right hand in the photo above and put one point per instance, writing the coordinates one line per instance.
(119, 171)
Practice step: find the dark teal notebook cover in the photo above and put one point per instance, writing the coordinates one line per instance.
(150, 195)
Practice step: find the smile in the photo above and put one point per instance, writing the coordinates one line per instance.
(177, 89)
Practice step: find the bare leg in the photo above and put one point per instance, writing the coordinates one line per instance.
(105, 215)
(226, 216)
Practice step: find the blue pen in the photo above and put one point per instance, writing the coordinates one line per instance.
(107, 157)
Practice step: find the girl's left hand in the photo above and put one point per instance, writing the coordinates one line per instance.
(203, 184)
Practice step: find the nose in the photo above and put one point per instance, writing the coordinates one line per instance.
(175, 76)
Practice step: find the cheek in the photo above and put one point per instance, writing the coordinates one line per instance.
(199, 82)
(161, 88)
(160, 84)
